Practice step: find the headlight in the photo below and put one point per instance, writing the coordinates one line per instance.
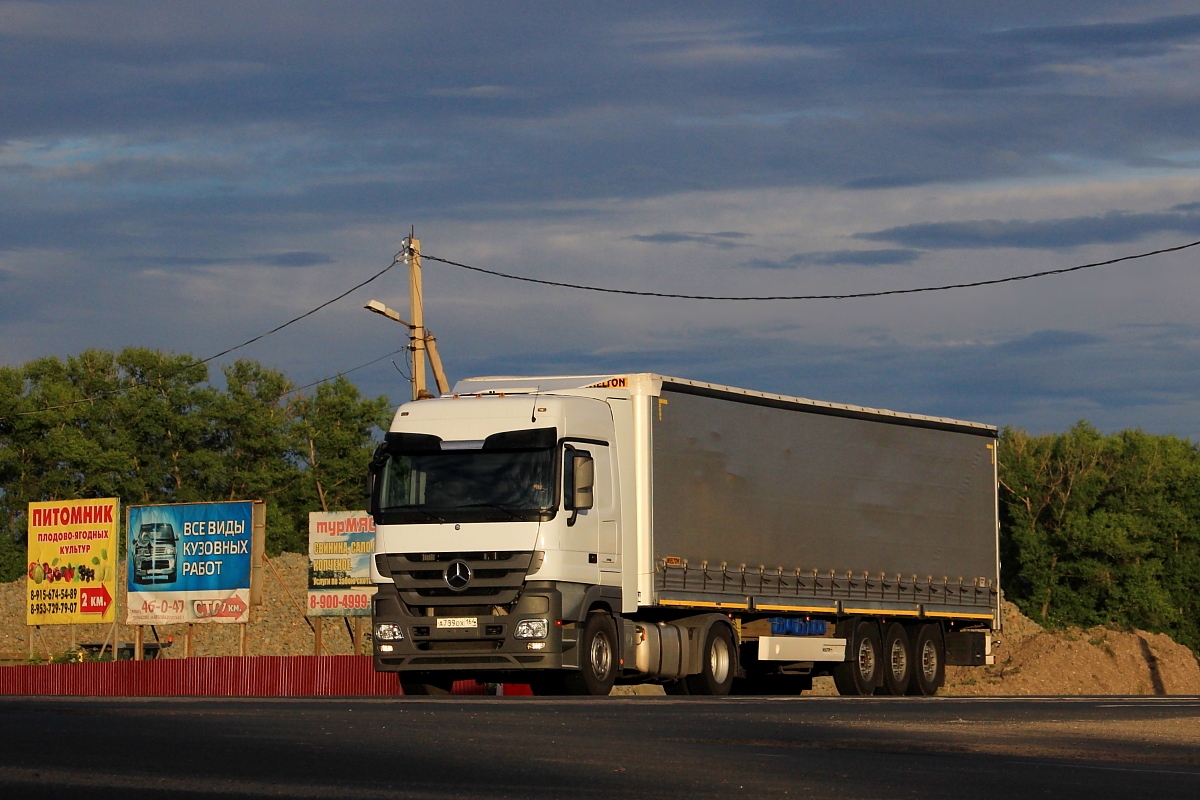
(388, 632)
(531, 629)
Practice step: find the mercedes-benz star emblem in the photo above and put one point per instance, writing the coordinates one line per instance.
(458, 575)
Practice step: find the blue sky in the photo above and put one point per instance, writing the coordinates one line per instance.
(187, 176)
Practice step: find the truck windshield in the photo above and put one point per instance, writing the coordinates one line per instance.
(493, 481)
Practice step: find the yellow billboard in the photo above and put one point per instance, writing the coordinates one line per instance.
(72, 565)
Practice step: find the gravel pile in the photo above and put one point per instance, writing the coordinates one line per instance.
(278, 627)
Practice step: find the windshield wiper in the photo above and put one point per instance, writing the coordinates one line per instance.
(509, 511)
(428, 514)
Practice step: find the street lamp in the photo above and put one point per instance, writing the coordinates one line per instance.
(435, 360)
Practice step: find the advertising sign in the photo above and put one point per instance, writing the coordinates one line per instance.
(71, 575)
(340, 547)
(191, 562)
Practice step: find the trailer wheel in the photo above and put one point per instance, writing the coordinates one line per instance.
(860, 674)
(598, 657)
(929, 660)
(897, 661)
(718, 664)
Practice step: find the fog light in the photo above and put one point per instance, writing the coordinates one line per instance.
(388, 632)
(531, 629)
(536, 645)
(386, 648)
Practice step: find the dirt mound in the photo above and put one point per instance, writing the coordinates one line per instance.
(278, 627)
(1031, 660)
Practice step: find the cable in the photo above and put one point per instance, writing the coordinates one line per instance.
(813, 296)
(136, 384)
(340, 374)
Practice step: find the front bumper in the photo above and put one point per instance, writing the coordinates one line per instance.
(487, 647)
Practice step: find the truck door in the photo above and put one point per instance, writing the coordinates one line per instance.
(610, 540)
(581, 537)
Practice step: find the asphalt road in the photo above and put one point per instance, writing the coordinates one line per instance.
(653, 747)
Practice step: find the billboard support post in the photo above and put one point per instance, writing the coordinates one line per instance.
(242, 639)
(318, 636)
(187, 642)
(138, 643)
(258, 540)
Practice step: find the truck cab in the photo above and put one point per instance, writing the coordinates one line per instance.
(497, 531)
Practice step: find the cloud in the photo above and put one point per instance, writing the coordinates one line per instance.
(1111, 228)
(475, 92)
(299, 258)
(720, 239)
(1048, 341)
(1127, 38)
(861, 258)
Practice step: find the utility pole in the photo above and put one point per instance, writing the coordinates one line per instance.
(417, 310)
(422, 341)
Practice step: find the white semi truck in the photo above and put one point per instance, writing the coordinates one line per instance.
(575, 532)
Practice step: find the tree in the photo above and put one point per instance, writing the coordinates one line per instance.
(335, 433)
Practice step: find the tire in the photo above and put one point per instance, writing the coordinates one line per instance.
(861, 673)
(597, 657)
(416, 686)
(929, 660)
(897, 661)
(718, 664)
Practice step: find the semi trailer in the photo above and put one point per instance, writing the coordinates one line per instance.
(574, 532)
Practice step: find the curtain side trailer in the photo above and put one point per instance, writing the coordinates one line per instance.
(572, 532)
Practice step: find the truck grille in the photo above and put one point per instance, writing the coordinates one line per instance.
(496, 577)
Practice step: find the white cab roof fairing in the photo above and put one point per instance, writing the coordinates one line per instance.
(646, 383)
(468, 417)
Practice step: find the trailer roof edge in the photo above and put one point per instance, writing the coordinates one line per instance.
(803, 404)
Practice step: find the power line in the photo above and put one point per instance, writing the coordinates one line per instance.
(942, 288)
(343, 372)
(137, 384)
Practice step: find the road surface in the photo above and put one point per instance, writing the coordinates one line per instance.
(650, 747)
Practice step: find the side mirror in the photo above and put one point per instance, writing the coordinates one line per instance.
(585, 478)
(373, 469)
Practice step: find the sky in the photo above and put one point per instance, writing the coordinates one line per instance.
(187, 176)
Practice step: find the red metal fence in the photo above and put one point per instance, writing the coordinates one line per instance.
(228, 676)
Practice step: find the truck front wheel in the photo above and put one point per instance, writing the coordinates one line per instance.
(597, 657)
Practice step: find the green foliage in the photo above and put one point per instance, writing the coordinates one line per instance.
(1102, 529)
(156, 431)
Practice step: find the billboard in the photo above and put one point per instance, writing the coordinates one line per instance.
(340, 548)
(192, 562)
(71, 573)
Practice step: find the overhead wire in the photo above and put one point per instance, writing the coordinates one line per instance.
(848, 296)
(400, 256)
(404, 253)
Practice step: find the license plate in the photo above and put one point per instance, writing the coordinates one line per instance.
(458, 622)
